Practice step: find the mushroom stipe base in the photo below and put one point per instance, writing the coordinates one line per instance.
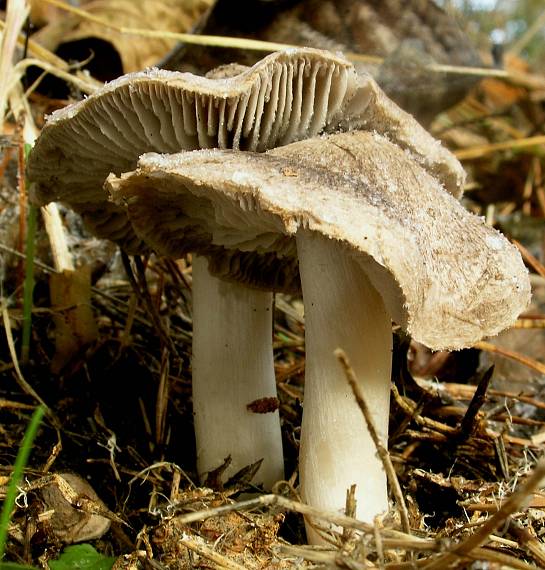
(342, 309)
(232, 367)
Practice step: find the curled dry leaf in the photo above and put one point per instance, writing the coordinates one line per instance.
(69, 524)
(78, 38)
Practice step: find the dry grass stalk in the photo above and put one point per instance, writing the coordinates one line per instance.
(17, 12)
(330, 558)
(483, 150)
(53, 64)
(410, 409)
(517, 357)
(170, 16)
(534, 29)
(59, 246)
(84, 84)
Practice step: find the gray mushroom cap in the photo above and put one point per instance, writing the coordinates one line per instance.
(445, 276)
(287, 96)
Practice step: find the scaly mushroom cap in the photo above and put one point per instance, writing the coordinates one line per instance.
(445, 276)
(288, 96)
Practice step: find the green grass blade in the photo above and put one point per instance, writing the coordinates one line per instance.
(17, 475)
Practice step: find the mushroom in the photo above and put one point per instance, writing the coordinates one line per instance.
(377, 238)
(286, 97)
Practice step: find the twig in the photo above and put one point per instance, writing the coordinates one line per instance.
(479, 554)
(378, 544)
(209, 553)
(350, 508)
(467, 425)
(465, 391)
(500, 558)
(381, 449)
(143, 294)
(301, 508)
(533, 261)
(410, 409)
(331, 559)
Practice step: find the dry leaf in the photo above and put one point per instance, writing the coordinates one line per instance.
(79, 39)
(69, 524)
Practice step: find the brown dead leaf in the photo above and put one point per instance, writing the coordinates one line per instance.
(135, 53)
(69, 524)
(42, 13)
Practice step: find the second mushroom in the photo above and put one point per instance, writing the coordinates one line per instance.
(376, 237)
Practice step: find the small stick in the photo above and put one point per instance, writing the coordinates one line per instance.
(143, 295)
(350, 509)
(161, 406)
(323, 557)
(208, 553)
(60, 252)
(533, 261)
(381, 449)
(410, 409)
(467, 425)
(465, 392)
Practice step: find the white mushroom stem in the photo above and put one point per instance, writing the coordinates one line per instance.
(342, 309)
(233, 366)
